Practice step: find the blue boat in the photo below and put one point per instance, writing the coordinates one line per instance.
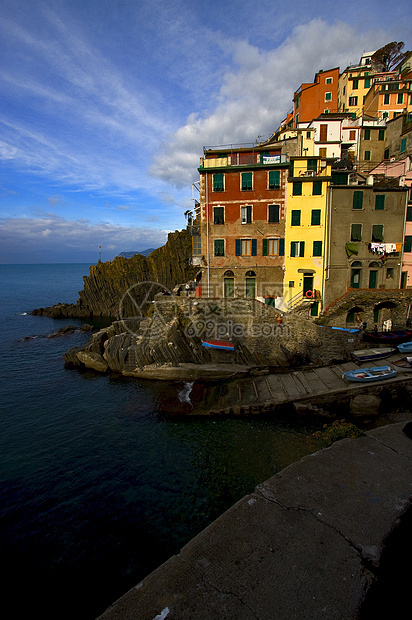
(405, 347)
(370, 374)
(351, 330)
(219, 344)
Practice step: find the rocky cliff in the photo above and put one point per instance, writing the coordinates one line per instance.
(116, 286)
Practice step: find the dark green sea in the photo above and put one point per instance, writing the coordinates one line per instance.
(97, 487)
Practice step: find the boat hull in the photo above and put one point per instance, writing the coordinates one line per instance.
(403, 365)
(368, 355)
(393, 338)
(218, 344)
(405, 347)
(370, 374)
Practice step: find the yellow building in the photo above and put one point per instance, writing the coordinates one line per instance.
(306, 232)
(354, 83)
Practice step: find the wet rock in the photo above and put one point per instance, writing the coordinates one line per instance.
(91, 360)
(365, 405)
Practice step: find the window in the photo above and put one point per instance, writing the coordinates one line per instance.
(309, 135)
(357, 200)
(274, 179)
(196, 246)
(377, 232)
(400, 98)
(219, 215)
(385, 115)
(246, 247)
(246, 214)
(246, 181)
(329, 80)
(353, 101)
(270, 247)
(367, 82)
(367, 134)
(328, 96)
(379, 202)
(312, 164)
(297, 248)
(322, 152)
(367, 155)
(386, 154)
(317, 248)
(317, 188)
(355, 84)
(297, 188)
(323, 133)
(295, 218)
(390, 273)
(219, 247)
(409, 214)
(273, 214)
(352, 134)
(381, 135)
(315, 217)
(356, 232)
(407, 247)
(403, 145)
(218, 182)
(386, 99)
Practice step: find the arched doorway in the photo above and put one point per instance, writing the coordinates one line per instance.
(355, 276)
(250, 284)
(229, 283)
(383, 311)
(353, 316)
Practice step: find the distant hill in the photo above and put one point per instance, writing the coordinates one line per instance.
(142, 252)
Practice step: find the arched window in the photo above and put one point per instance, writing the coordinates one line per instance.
(250, 284)
(355, 278)
(229, 283)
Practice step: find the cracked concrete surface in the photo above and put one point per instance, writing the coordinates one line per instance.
(306, 544)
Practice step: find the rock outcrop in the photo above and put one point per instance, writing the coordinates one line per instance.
(118, 283)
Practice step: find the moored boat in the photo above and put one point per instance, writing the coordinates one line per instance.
(393, 338)
(219, 344)
(367, 355)
(370, 374)
(405, 347)
(404, 365)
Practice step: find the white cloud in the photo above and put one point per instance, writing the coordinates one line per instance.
(50, 237)
(254, 98)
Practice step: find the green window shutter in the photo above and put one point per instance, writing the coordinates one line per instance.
(408, 243)
(367, 155)
(357, 200)
(293, 248)
(356, 232)
(377, 232)
(291, 168)
(264, 247)
(297, 188)
(219, 247)
(238, 247)
(254, 247)
(295, 218)
(367, 82)
(246, 181)
(302, 249)
(379, 202)
(218, 182)
(367, 134)
(317, 248)
(274, 179)
(315, 219)
(381, 135)
(403, 145)
(281, 247)
(218, 215)
(312, 164)
(273, 213)
(386, 99)
(409, 214)
(317, 188)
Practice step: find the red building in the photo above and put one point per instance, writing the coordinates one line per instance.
(316, 98)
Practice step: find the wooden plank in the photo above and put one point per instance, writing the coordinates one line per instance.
(263, 390)
(289, 386)
(316, 382)
(301, 380)
(328, 377)
(277, 389)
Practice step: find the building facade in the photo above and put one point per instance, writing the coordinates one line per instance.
(317, 97)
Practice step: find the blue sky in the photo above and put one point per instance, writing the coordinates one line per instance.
(107, 104)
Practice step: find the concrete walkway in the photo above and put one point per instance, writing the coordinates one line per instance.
(305, 545)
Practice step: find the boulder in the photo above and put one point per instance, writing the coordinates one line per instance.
(365, 405)
(92, 360)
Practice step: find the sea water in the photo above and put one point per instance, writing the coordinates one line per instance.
(97, 488)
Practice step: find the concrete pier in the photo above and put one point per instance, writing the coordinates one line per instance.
(306, 544)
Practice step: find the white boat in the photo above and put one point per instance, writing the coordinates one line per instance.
(367, 355)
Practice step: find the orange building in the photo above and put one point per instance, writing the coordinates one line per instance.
(319, 97)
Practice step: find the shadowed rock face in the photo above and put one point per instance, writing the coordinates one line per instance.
(107, 283)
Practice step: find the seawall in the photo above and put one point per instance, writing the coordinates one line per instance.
(307, 543)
